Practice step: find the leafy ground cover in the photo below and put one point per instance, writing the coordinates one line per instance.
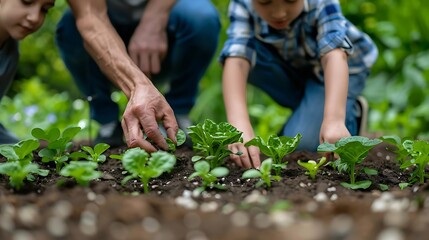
(296, 207)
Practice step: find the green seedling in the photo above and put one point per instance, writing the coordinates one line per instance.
(397, 147)
(18, 172)
(209, 177)
(58, 144)
(19, 164)
(22, 151)
(264, 174)
(312, 167)
(276, 148)
(144, 167)
(211, 141)
(418, 151)
(82, 171)
(351, 151)
(90, 154)
(180, 138)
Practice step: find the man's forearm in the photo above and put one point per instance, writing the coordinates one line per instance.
(159, 10)
(106, 47)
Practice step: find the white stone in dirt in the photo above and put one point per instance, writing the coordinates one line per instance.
(186, 202)
(240, 219)
(62, 209)
(88, 223)
(334, 197)
(7, 214)
(196, 235)
(151, 225)
(396, 219)
(56, 226)
(391, 234)
(303, 185)
(28, 215)
(255, 197)
(228, 208)
(209, 206)
(311, 206)
(341, 226)
(282, 219)
(331, 189)
(321, 197)
(91, 196)
(22, 235)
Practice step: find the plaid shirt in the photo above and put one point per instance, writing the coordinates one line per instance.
(320, 28)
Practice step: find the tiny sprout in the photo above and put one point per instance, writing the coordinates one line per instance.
(312, 166)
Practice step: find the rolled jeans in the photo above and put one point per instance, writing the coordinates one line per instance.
(192, 30)
(302, 92)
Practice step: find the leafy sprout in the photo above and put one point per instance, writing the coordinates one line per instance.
(312, 166)
(92, 154)
(264, 173)
(209, 177)
(82, 171)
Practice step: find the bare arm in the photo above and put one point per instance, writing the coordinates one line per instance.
(234, 83)
(336, 71)
(146, 105)
(148, 45)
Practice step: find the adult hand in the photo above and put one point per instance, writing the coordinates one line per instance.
(148, 46)
(146, 107)
(246, 157)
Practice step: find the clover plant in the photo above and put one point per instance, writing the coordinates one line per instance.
(351, 151)
(211, 140)
(208, 176)
(82, 171)
(21, 151)
(58, 144)
(90, 154)
(264, 173)
(143, 166)
(276, 148)
(418, 151)
(312, 166)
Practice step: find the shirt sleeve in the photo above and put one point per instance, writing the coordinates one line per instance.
(239, 32)
(332, 28)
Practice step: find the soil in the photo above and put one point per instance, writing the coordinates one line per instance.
(296, 207)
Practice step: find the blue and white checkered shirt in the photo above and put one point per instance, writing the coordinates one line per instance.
(320, 28)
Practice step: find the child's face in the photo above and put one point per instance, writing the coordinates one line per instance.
(19, 18)
(279, 13)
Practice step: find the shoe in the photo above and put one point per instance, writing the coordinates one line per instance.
(362, 115)
(7, 137)
(110, 133)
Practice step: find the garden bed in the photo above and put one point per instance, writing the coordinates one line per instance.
(296, 207)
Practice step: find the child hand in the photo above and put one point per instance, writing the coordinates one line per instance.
(245, 157)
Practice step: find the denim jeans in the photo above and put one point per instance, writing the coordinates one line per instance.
(193, 32)
(302, 92)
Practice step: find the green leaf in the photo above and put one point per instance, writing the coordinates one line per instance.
(202, 167)
(358, 185)
(220, 172)
(251, 173)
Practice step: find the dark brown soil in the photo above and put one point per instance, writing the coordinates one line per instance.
(293, 208)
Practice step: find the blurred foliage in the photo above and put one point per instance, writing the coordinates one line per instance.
(397, 89)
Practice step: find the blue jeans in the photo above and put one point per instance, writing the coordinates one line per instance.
(301, 91)
(193, 32)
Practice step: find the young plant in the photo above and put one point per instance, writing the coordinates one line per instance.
(90, 154)
(351, 151)
(312, 167)
(82, 171)
(180, 138)
(276, 148)
(418, 151)
(211, 141)
(264, 173)
(397, 147)
(19, 164)
(58, 144)
(208, 177)
(140, 165)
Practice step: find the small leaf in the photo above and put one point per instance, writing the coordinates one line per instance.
(251, 173)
